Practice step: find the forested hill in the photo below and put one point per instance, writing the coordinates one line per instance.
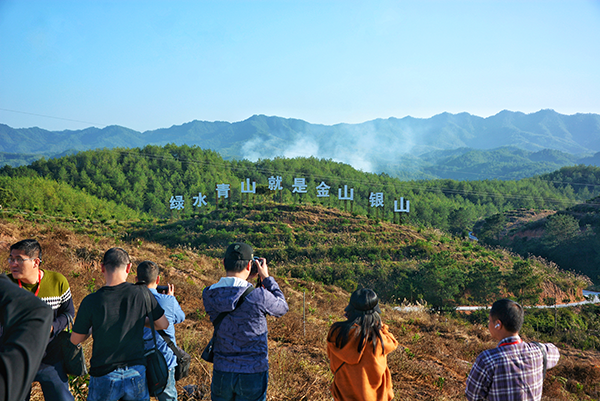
(568, 237)
(149, 179)
(509, 145)
(316, 251)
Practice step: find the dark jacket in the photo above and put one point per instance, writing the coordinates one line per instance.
(241, 341)
(25, 323)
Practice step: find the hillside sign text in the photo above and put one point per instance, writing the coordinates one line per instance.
(376, 199)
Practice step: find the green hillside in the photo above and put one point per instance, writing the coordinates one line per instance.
(506, 163)
(129, 183)
(318, 253)
(43, 196)
(80, 205)
(336, 248)
(569, 237)
(320, 243)
(146, 179)
(17, 159)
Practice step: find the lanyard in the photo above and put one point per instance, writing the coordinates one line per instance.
(39, 283)
(519, 341)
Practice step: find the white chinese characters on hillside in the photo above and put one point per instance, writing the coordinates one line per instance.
(376, 199)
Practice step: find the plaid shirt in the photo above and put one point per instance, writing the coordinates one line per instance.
(511, 372)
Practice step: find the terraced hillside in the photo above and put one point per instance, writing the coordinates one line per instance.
(436, 350)
(333, 247)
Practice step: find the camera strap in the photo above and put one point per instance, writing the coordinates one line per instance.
(222, 315)
(147, 295)
(170, 343)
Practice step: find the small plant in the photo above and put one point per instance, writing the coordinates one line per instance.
(200, 314)
(91, 286)
(561, 380)
(178, 256)
(439, 382)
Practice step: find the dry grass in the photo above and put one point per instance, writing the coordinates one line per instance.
(432, 362)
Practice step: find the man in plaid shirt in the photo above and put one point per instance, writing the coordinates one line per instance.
(514, 370)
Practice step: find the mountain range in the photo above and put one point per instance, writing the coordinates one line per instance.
(508, 145)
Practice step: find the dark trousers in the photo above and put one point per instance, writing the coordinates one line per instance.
(54, 382)
(227, 386)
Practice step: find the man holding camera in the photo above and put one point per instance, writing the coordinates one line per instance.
(148, 274)
(241, 360)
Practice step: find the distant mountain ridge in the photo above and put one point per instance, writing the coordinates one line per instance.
(409, 148)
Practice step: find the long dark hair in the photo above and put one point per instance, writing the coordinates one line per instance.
(363, 311)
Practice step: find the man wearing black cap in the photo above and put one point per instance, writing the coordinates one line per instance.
(241, 360)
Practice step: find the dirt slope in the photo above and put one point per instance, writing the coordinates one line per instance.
(432, 363)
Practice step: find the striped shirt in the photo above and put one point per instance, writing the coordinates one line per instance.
(55, 291)
(513, 371)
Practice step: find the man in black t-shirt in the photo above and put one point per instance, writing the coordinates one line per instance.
(116, 315)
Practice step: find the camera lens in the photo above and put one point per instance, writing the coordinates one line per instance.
(254, 268)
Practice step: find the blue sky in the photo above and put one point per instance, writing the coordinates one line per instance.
(153, 64)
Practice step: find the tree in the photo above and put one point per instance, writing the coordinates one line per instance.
(492, 228)
(441, 281)
(560, 229)
(484, 282)
(7, 197)
(461, 220)
(524, 282)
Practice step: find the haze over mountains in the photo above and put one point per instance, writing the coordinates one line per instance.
(508, 145)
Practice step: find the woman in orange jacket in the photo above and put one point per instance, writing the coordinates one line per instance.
(357, 350)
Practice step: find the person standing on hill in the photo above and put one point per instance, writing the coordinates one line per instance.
(25, 322)
(357, 349)
(148, 273)
(52, 288)
(514, 370)
(241, 360)
(115, 316)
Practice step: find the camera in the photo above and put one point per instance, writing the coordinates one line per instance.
(162, 289)
(254, 268)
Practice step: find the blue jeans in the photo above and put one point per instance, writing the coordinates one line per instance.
(127, 384)
(170, 392)
(54, 382)
(227, 386)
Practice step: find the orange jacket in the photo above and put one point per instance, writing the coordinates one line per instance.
(364, 376)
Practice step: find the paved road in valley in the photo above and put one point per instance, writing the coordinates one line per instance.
(591, 298)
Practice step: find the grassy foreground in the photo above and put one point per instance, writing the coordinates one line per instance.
(432, 363)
